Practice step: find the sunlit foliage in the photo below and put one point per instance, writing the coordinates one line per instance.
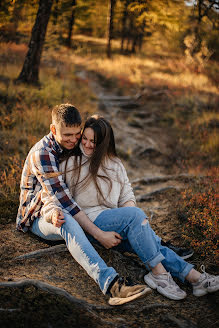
(201, 228)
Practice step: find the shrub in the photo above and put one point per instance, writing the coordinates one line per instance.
(9, 190)
(199, 204)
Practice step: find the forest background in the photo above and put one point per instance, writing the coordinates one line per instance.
(170, 46)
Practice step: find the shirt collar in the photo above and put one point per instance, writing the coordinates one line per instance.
(55, 144)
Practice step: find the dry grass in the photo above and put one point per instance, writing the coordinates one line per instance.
(200, 218)
(164, 69)
(25, 112)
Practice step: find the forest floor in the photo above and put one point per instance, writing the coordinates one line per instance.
(148, 151)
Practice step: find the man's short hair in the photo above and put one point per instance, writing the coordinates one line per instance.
(67, 114)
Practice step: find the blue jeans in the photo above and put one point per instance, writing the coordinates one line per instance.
(79, 247)
(139, 238)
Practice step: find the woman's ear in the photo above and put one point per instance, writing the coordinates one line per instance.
(53, 129)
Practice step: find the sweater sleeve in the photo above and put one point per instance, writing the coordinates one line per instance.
(126, 192)
(49, 206)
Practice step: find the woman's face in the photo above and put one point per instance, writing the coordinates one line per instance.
(87, 141)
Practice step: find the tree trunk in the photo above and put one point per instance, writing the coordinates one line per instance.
(129, 34)
(124, 19)
(140, 41)
(200, 11)
(110, 28)
(141, 35)
(71, 24)
(30, 70)
(134, 44)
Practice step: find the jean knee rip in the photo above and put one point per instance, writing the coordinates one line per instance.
(144, 222)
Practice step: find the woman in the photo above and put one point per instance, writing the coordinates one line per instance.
(99, 184)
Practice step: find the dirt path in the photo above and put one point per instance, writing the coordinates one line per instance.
(147, 151)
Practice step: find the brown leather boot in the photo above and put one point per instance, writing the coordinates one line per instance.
(124, 291)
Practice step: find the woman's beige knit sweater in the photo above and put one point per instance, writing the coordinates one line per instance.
(87, 196)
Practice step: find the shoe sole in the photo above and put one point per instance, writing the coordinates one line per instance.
(187, 256)
(204, 292)
(199, 294)
(152, 284)
(122, 300)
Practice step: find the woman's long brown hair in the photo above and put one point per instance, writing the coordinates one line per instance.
(104, 149)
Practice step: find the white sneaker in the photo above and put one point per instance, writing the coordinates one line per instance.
(165, 285)
(206, 284)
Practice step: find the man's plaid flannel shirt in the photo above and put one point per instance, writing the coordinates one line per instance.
(42, 159)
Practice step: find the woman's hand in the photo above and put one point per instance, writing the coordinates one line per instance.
(109, 239)
(57, 218)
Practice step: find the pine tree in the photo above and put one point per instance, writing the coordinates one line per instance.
(30, 70)
(110, 27)
(71, 24)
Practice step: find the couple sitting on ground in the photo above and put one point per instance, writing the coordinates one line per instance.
(67, 171)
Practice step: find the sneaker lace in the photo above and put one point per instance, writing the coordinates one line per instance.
(210, 279)
(202, 268)
(170, 279)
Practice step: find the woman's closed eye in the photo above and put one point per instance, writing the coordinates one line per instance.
(85, 139)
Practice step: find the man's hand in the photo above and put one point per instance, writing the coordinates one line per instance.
(57, 218)
(110, 239)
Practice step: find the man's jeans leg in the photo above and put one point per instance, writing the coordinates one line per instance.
(79, 247)
(132, 224)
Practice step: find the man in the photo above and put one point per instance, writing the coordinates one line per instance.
(43, 161)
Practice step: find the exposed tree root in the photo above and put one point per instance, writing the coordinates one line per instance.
(62, 248)
(60, 292)
(9, 310)
(181, 323)
(48, 288)
(81, 303)
(133, 307)
(150, 151)
(43, 251)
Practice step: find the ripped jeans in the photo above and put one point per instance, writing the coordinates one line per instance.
(79, 246)
(139, 238)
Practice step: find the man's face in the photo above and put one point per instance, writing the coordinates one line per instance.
(66, 136)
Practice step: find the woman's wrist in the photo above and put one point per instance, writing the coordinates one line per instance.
(88, 225)
(98, 234)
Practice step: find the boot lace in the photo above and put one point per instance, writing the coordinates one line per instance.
(125, 281)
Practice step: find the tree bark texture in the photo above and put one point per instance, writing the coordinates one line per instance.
(71, 24)
(110, 28)
(124, 19)
(129, 34)
(30, 70)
